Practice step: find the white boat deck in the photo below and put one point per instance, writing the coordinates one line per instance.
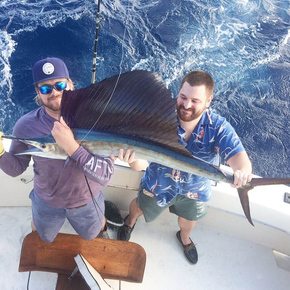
(225, 261)
(232, 253)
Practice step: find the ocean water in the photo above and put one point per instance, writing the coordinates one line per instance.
(243, 44)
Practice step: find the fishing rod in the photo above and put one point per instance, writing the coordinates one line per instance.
(96, 43)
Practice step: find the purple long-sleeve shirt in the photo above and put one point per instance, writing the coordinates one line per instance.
(59, 184)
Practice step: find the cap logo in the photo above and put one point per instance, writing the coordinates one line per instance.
(48, 68)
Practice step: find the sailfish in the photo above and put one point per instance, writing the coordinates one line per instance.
(134, 110)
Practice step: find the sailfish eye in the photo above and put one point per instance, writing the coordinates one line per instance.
(43, 146)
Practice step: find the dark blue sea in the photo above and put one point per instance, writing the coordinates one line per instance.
(243, 44)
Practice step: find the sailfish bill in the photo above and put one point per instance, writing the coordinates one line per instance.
(133, 111)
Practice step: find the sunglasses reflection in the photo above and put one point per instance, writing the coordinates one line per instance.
(47, 89)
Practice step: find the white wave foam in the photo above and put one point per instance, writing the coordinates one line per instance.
(286, 38)
(7, 46)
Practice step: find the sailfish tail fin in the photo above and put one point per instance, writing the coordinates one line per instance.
(244, 199)
(243, 192)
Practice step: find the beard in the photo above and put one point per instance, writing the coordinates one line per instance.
(188, 115)
(52, 103)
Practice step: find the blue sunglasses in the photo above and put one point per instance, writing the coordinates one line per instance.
(47, 89)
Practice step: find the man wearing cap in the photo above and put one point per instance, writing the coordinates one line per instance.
(62, 189)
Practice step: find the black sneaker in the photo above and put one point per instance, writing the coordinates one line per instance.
(124, 232)
(189, 250)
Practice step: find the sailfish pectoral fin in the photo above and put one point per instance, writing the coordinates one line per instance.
(244, 198)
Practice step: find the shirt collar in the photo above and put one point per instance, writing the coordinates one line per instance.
(205, 120)
(206, 117)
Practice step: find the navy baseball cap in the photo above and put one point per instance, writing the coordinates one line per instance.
(48, 69)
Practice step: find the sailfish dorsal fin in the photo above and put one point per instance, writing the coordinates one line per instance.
(137, 104)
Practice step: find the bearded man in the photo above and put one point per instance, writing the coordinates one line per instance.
(207, 136)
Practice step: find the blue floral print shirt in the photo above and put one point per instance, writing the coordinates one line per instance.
(213, 138)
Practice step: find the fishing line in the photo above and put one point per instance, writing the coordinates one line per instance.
(114, 89)
(115, 214)
(117, 81)
(28, 280)
(94, 201)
